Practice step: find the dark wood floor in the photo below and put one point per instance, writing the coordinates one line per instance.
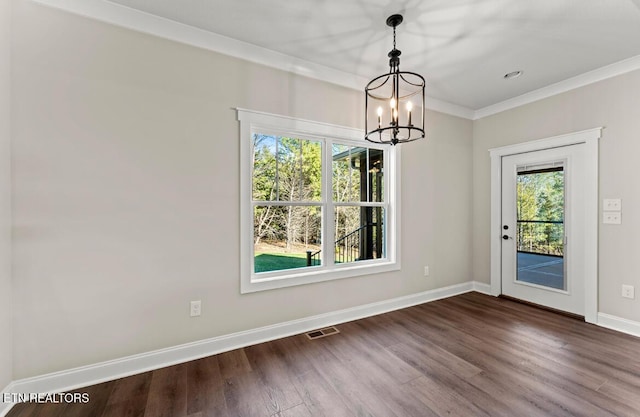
(469, 355)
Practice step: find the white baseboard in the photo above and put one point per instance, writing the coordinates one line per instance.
(481, 287)
(617, 323)
(93, 374)
(5, 407)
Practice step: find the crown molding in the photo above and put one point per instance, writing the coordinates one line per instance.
(449, 108)
(603, 73)
(123, 16)
(139, 21)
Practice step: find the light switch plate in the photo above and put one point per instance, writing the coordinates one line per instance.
(611, 217)
(611, 204)
(196, 308)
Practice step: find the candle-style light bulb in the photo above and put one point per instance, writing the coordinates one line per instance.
(409, 107)
(394, 112)
(379, 117)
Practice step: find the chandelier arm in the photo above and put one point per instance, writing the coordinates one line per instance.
(415, 93)
(369, 87)
(409, 82)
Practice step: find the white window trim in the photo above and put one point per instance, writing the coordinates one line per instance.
(254, 121)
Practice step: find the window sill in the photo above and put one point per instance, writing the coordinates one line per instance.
(252, 283)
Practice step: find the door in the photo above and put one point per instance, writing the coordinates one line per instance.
(543, 247)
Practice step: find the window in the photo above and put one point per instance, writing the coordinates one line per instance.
(317, 202)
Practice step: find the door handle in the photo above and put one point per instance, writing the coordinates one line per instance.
(505, 237)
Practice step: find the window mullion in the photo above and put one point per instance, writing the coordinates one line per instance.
(328, 212)
(390, 193)
(277, 170)
(368, 174)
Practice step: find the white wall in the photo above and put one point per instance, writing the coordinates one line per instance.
(612, 103)
(6, 334)
(126, 176)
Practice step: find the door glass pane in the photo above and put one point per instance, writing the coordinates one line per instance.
(540, 234)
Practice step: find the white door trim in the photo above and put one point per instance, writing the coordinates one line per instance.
(590, 139)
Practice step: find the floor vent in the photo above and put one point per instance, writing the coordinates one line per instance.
(327, 331)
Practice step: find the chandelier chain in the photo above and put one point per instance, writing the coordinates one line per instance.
(394, 37)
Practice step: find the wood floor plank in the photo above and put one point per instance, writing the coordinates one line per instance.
(512, 395)
(436, 371)
(129, 396)
(383, 329)
(428, 354)
(484, 354)
(233, 363)
(466, 355)
(280, 390)
(124, 409)
(370, 366)
(292, 355)
(125, 389)
(358, 339)
(622, 394)
(582, 365)
(500, 378)
(39, 410)
(300, 410)
(360, 399)
(98, 397)
(442, 400)
(244, 396)
(532, 351)
(320, 397)
(168, 393)
(205, 388)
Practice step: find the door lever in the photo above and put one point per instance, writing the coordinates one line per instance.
(505, 237)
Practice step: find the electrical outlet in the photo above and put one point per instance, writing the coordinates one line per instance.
(426, 271)
(611, 217)
(196, 308)
(628, 291)
(612, 204)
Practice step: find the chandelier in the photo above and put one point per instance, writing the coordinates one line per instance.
(394, 102)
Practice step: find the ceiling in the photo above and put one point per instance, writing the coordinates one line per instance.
(462, 47)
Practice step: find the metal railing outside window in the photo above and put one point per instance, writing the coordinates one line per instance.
(541, 237)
